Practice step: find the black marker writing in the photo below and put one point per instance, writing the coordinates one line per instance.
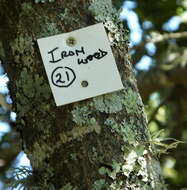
(59, 78)
(67, 74)
(52, 55)
(63, 76)
(80, 51)
(97, 55)
(65, 54)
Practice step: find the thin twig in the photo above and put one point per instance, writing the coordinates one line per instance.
(156, 110)
(156, 38)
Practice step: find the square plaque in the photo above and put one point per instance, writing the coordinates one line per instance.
(80, 64)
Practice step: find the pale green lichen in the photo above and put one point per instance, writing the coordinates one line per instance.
(135, 163)
(116, 185)
(26, 54)
(116, 167)
(82, 116)
(30, 87)
(103, 171)
(112, 103)
(26, 6)
(44, 1)
(73, 156)
(140, 171)
(79, 132)
(94, 154)
(132, 101)
(135, 158)
(99, 184)
(104, 11)
(68, 186)
(128, 130)
(50, 28)
(40, 153)
(67, 18)
(113, 124)
(135, 167)
(109, 103)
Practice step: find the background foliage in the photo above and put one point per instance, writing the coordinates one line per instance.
(159, 57)
(158, 39)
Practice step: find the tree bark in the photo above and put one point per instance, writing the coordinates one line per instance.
(100, 143)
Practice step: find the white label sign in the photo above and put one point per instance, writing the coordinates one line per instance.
(80, 64)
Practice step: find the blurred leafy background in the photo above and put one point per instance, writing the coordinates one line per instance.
(158, 40)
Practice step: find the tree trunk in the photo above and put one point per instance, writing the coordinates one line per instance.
(99, 143)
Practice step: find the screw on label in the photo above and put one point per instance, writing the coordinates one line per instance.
(84, 83)
(71, 41)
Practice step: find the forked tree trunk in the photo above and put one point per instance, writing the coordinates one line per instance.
(99, 143)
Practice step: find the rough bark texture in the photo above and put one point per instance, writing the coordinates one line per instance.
(100, 143)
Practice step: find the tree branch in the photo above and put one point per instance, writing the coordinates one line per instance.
(156, 37)
(163, 102)
(156, 79)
